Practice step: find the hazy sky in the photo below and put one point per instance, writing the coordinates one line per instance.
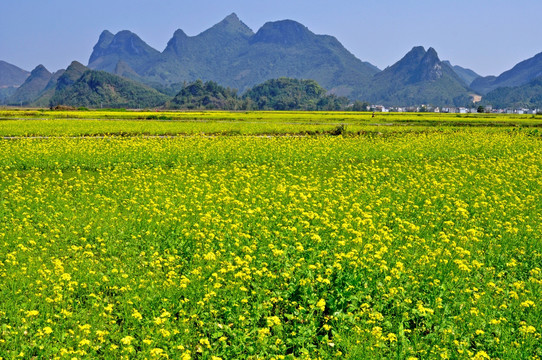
(488, 36)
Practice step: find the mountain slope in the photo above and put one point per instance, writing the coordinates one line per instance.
(32, 87)
(467, 75)
(80, 86)
(230, 36)
(11, 75)
(6, 93)
(520, 74)
(231, 54)
(288, 49)
(42, 99)
(525, 96)
(125, 46)
(204, 56)
(59, 81)
(71, 75)
(102, 89)
(418, 78)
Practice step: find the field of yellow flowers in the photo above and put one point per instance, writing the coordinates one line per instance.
(416, 245)
(16, 123)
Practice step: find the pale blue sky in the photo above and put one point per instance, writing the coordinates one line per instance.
(488, 36)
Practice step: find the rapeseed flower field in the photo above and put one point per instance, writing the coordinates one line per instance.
(416, 245)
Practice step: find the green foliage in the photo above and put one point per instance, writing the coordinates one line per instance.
(205, 96)
(71, 75)
(169, 90)
(100, 89)
(360, 106)
(525, 96)
(275, 94)
(339, 130)
(247, 247)
(293, 94)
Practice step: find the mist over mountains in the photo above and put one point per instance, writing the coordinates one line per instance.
(234, 56)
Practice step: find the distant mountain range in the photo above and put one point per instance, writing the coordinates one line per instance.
(520, 74)
(80, 86)
(11, 75)
(232, 55)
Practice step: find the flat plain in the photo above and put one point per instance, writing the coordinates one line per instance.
(270, 235)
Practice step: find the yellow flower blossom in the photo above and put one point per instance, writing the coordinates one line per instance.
(127, 340)
(321, 305)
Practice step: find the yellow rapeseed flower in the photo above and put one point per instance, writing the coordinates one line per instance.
(127, 340)
(321, 304)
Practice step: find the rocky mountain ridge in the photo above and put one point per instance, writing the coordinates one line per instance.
(234, 56)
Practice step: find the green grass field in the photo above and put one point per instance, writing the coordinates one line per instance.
(406, 237)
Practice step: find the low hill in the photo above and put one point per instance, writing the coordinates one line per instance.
(205, 95)
(71, 75)
(293, 94)
(274, 94)
(102, 89)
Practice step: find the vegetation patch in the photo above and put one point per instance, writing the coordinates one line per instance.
(420, 243)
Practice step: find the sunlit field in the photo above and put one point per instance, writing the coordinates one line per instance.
(270, 236)
(128, 123)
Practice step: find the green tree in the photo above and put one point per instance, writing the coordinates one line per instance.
(360, 106)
